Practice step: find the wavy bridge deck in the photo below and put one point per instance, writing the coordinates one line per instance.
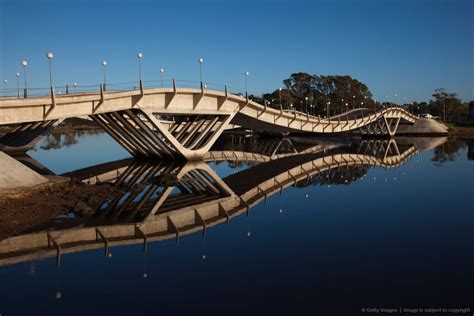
(183, 122)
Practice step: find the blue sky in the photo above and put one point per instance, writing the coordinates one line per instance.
(404, 47)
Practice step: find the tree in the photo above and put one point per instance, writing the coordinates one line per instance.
(341, 92)
(448, 151)
(448, 106)
(420, 107)
(300, 84)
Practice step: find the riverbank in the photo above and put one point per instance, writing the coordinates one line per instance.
(464, 131)
(23, 210)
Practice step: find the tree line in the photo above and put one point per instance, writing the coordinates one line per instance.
(333, 94)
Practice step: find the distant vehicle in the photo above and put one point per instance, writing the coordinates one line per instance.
(426, 115)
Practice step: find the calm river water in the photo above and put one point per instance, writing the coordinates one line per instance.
(334, 227)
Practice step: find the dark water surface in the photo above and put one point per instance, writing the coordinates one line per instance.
(389, 226)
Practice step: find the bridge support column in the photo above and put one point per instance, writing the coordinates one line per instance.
(392, 124)
(149, 134)
(378, 127)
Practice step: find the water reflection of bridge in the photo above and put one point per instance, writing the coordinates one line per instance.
(168, 200)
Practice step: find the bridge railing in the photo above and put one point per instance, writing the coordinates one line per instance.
(67, 90)
(70, 89)
(181, 83)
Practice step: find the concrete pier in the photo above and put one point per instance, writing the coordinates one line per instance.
(15, 175)
(423, 126)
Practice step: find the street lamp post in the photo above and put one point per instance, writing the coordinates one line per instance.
(327, 108)
(50, 57)
(162, 70)
(18, 84)
(306, 104)
(24, 63)
(247, 74)
(353, 101)
(75, 87)
(200, 60)
(279, 95)
(104, 85)
(140, 56)
(5, 86)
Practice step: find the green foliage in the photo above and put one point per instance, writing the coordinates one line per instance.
(330, 95)
(419, 107)
(318, 93)
(448, 106)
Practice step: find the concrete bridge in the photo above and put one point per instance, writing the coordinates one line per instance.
(183, 122)
(170, 199)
